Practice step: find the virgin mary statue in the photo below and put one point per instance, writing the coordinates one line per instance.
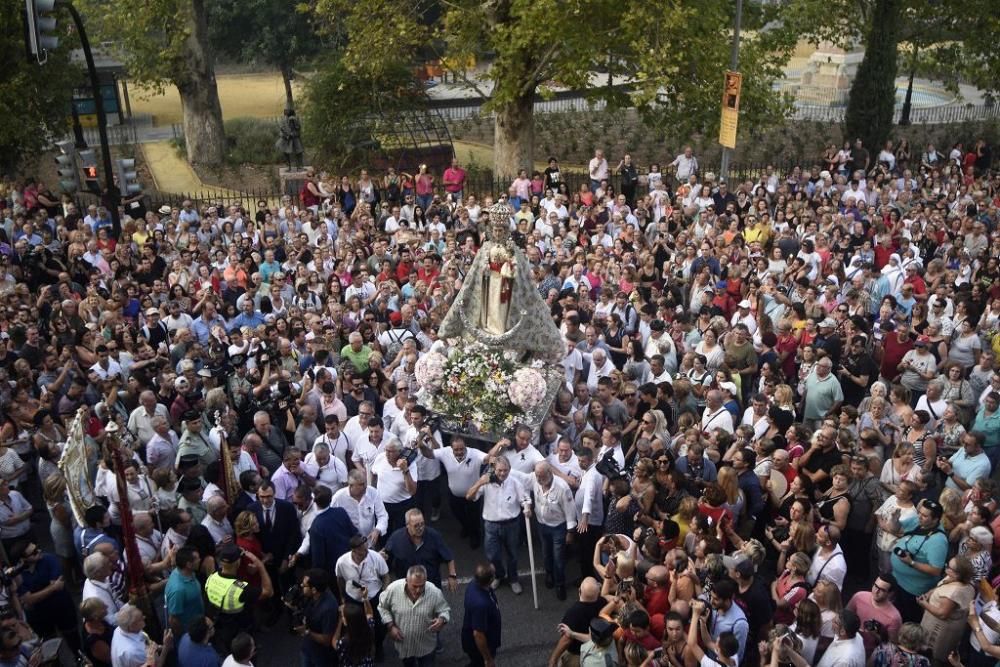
(498, 305)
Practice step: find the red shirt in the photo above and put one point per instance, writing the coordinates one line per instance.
(919, 286)
(787, 344)
(882, 255)
(893, 353)
(457, 177)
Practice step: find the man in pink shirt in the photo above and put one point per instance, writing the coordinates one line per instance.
(876, 605)
(454, 181)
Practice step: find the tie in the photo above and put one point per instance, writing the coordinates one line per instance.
(267, 520)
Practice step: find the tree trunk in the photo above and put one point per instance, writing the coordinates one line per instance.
(514, 137)
(286, 78)
(204, 133)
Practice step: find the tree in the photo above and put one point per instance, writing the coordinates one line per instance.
(277, 33)
(672, 53)
(34, 99)
(165, 42)
(872, 100)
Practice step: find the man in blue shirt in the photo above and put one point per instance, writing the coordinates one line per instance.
(728, 616)
(248, 317)
(418, 544)
(183, 592)
(967, 464)
(481, 625)
(209, 318)
(321, 617)
(918, 558)
(195, 648)
(43, 593)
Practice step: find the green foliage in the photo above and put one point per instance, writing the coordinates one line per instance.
(34, 99)
(674, 52)
(278, 33)
(872, 99)
(248, 141)
(343, 109)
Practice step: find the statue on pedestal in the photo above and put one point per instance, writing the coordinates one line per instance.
(289, 142)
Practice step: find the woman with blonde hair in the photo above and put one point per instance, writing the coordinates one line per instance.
(790, 588)
(827, 597)
(954, 514)
(246, 528)
(735, 501)
(900, 468)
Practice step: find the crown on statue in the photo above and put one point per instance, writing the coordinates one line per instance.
(498, 230)
(499, 213)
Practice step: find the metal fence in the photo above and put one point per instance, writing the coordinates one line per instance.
(480, 184)
(951, 113)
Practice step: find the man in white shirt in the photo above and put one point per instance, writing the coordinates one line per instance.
(363, 504)
(216, 521)
(600, 367)
(366, 451)
(396, 482)
(521, 454)
(848, 647)
(715, 414)
(598, 169)
(326, 469)
(555, 510)
(462, 463)
(829, 562)
(338, 443)
(106, 367)
(564, 464)
(140, 422)
(685, 164)
(503, 496)
(364, 566)
(589, 499)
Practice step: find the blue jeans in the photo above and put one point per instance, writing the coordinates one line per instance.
(425, 201)
(554, 551)
(503, 536)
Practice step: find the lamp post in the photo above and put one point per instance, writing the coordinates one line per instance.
(734, 64)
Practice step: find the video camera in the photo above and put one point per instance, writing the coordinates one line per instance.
(608, 465)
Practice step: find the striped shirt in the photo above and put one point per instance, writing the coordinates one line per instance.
(413, 617)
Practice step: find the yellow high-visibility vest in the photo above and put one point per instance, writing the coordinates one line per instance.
(224, 593)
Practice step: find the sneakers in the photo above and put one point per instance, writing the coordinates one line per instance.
(495, 584)
(516, 587)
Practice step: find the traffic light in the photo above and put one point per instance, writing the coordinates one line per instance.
(128, 183)
(88, 164)
(41, 28)
(69, 176)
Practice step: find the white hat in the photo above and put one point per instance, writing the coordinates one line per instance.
(730, 387)
(181, 384)
(745, 303)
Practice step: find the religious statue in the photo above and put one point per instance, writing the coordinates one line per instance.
(289, 142)
(498, 304)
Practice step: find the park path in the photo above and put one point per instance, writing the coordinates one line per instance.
(172, 173)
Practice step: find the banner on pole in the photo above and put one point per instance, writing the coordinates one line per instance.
(730, 109)
(74, 464)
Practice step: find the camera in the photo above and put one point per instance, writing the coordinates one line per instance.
(901, 552)
(410, 454)
(491, 470)
(7, 574)
(608, 466)
(295, 600)
(872, 625)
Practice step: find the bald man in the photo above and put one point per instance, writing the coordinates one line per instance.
(577, 618)
(216, 520)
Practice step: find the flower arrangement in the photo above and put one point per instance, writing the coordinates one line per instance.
(479, 387)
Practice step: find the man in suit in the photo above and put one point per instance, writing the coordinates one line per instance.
(279, 534)
(330, 533)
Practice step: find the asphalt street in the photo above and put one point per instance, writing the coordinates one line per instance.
(528, 634)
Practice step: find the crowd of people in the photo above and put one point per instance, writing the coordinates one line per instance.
(777, 443)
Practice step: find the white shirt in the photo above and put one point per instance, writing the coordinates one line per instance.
(365, 454)
(760, 424)
(114, 369)
(333, 475)
(390, 482)
(141, 423)
(832, 568)
(219, 530)
(590, 497)
(523, 461)
(339, 446)
(554, 506)
(502, 502)
(461, 474)
(368, 573)
(721, 418)
(571, 468)
(128, 649)
(367, 514)
(616, 452)
(844, 653)
(429, 469)
(102, 590)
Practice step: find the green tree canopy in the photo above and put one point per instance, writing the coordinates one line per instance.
(673, 54)
(34, 99)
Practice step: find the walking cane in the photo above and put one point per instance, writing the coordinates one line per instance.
(531, 559)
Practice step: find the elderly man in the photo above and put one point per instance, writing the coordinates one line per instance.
(555, 510)
(823, 393)
(364, 506)
(504, 499)
(600, 367)
(140, 422)
(396, 482)
(272, 450)
(716, 416)
(406, 606)
(216, 522)
(968, 464)
(291, 474)
(131, 647)
(97, 568)
(418, 544)
(161, 448)
(356, 352)
(324, 468)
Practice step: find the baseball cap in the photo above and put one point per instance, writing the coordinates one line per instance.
(745, 303)
(230, 554)
(181, 384)
(187, 365)
(741, 563)
(601, 629)
(205, 373)
(730, 387)
(152, 311)
(828, 323)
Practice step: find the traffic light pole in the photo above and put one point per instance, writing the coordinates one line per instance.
(102, 121)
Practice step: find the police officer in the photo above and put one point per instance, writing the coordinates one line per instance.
(230, 600)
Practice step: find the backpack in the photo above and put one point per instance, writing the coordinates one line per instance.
(396, 342)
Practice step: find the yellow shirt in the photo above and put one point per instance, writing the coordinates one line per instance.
(758, 232)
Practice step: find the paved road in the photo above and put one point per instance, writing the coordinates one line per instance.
(528, 634)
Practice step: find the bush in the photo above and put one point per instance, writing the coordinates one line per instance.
(248, 141)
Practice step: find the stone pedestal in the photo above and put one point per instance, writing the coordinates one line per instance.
(292, 179)
(828, 75)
